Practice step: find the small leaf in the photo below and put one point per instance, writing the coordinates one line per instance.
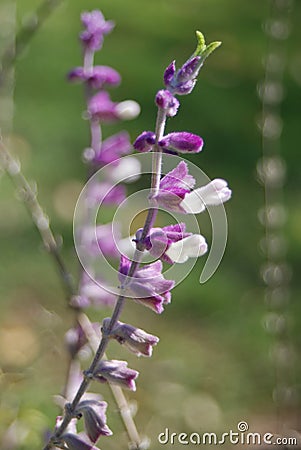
(209, 49)
(201, 44)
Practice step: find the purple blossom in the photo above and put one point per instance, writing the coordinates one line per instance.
(182, 142)
(102, 108)
(106, 193)
(145, 141)
(176, 194)
(148, 286)
(173, 244)
(174, 186)
(94, 413)
(93, 293)
(100, 239)
(116, 372)
(96, 28)
(166, 101)
(113, 148)
(135, 339)
(169, 73)
(98, 77)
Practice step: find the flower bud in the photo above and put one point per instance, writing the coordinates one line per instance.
(116, 372)
(182, 142)
(166, 101)
(145, 141)
(94, 413)
(135, 339)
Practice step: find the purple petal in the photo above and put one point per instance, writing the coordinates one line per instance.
(169, 73)
(103, 76)
(185, 88)
(106, 193)
(102, 108)
(135, 339)
(77, 74)
(188, 71)
(116, 372)
(94, 413)
(113, 148)
(178, 179)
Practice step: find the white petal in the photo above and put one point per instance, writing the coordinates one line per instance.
(213, 193)
(127, 110)
(189, 247)
(129, 168)
(193, 203)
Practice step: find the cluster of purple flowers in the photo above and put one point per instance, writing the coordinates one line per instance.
(144, 283)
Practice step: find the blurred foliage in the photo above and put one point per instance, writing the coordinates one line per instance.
(211, 368)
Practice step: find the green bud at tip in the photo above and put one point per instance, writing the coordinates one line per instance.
(201, 45)
(202, 49)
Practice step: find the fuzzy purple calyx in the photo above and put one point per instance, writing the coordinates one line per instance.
(182, 142)
(166, 101)
(98, 77)
(145, 141)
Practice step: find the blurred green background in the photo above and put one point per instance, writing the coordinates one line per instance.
(213, 365)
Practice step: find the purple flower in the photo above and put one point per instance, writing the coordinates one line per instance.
(106, 193)
(145, 141)
(99, 239)
(177, 142)
(173, 245)
(96, 28)
(94, 413)
(136, 340)
(148, 286)
(166, 101)
(93, 293)
(176, 194)
(116, 372)
(98, 78)
(113, 148)
(182, 142)
(102, 108)
(173, 188)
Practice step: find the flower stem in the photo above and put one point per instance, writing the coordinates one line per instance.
(155, 181)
